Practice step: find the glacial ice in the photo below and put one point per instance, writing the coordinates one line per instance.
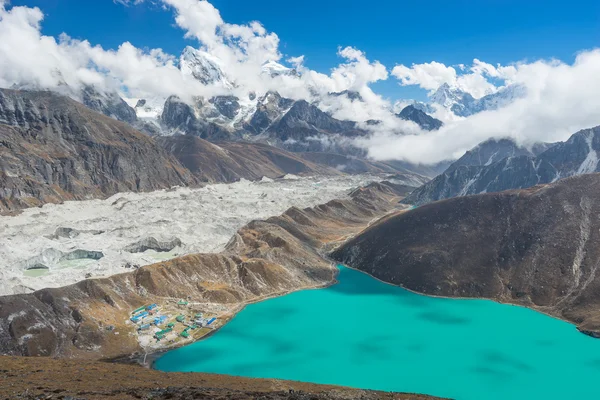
(95, 237)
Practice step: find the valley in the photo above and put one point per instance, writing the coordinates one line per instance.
(263, 259)
(130, 230)
(193, 205)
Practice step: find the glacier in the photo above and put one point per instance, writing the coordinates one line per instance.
(64, 243)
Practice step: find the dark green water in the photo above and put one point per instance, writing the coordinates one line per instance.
(366, 334)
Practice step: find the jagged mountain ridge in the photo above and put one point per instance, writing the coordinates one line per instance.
(53, 149)
(494, 150)
(576, 156)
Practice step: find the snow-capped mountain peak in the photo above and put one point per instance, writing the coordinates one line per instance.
(203, 66)
(448, 96)
(273, 69)
(463, 104)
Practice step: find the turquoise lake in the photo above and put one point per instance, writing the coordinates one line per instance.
(366, 334)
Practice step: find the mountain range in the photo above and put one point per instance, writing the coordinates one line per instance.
(516, 168)
(292, 125)
(53, 149)
(463, 104)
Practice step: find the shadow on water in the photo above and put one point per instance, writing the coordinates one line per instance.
(276, 312)
(357, 284)
(375, 348)
(368, 334)
(544, 343)
(416, 347)
(443, 318)
(593, 363)
(493, 357)
(249, 368)
(276, 345)
(492, 372)
(187, 358)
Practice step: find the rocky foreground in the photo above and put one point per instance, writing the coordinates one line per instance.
(264, 259)
(537, 247)
(45, 378)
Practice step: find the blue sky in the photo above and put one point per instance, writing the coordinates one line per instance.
(393, 32)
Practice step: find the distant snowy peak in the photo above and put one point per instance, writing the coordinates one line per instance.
(448, 96)
(274, 69)
(204, 67)
(463, 104)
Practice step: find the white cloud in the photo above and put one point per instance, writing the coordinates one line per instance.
(428, 76)
(473, 79)
(561, 99)
(31, 59)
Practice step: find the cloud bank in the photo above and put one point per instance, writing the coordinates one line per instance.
(561, 99)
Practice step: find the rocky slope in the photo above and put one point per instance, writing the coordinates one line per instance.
(578, 155)
(265, 258)
(304, 127)
(538, 247)
(232, 161)
(42, 378)
(54, 149)
(109, 104)
(425, 121)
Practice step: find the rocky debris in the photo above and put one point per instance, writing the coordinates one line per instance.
(151, 243)
(36, 266)
(578, 155)
(83, 254)
(425, 121)
(265, 258)
(70, 233)
(41, 378)
(49, 258)
(54, 149)
(538, 247)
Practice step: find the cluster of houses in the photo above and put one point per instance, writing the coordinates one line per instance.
(147, 316)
